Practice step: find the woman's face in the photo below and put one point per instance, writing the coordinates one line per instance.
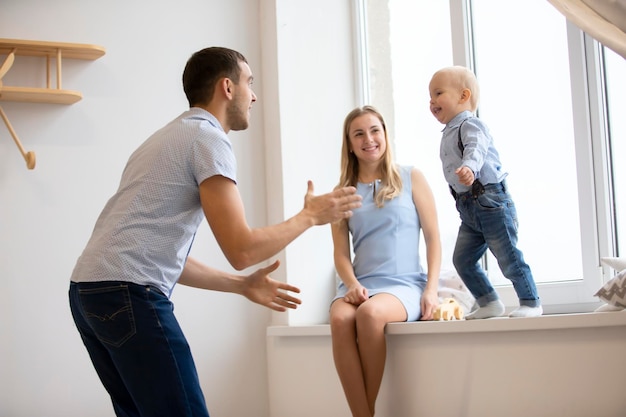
(367, 138)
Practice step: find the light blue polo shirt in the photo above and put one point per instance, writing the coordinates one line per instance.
(479, 154)
(146, 229)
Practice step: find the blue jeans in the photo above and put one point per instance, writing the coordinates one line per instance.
(489, 221)
(138, 349)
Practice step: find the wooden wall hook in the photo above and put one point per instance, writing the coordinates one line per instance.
(29, 156)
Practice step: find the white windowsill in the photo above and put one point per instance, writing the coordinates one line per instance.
(501, 324)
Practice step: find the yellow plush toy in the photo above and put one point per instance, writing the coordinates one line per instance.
(448, 310)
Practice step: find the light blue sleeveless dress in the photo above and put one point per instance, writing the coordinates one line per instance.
(385, 242)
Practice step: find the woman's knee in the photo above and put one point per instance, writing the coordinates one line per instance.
(371, 315)
(342, 315)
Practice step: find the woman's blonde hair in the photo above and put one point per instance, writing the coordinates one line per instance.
(391, 183)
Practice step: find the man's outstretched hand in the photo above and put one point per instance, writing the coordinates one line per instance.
(331, 207)
(264, 290)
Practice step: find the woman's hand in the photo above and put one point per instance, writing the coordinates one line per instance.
(429, 303)
(357, 294)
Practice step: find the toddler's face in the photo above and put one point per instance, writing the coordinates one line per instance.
(444, 98)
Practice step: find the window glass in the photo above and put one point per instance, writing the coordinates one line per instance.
(526, 102)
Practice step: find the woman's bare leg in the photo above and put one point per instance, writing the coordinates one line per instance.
(346, 356)
(360, 349)
(371, 318)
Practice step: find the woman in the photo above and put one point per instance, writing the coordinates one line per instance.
(384, 282)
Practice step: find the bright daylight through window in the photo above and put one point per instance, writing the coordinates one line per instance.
(565, 180)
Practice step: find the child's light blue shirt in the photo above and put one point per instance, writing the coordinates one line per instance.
(479, 153)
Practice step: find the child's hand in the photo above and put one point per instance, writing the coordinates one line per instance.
(466, 175)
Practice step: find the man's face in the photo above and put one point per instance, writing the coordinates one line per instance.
(238, 113)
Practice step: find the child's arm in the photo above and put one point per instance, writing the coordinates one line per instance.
(474, 146)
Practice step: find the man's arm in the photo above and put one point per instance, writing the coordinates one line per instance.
(244, 246)
(258, 287)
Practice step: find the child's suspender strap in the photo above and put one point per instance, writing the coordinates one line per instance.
(460, 142)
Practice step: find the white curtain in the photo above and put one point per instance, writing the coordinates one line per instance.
(605, 20)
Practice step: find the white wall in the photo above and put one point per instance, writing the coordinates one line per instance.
(46, 215)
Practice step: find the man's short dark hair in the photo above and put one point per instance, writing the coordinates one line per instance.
(205, 68)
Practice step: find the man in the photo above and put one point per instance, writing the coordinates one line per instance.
(120, 287)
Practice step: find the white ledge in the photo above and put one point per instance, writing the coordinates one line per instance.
(500, 324)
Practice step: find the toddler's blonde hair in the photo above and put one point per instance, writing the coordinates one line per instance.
(462, 77)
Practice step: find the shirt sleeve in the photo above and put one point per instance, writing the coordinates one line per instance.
(476, 144)
(213, 155)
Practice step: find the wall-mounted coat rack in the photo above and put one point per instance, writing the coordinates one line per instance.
(57, 95)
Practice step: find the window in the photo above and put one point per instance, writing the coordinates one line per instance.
(548, 98)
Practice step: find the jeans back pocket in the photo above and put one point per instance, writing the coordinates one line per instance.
(109, 312)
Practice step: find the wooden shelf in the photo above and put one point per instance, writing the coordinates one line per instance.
(55, 95)
(39, 95)
(48, 50)
(43, 48)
